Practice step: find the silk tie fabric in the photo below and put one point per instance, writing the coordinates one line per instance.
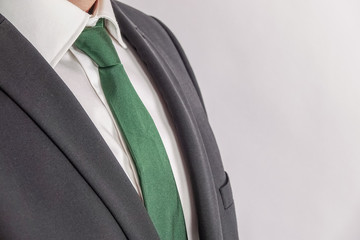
(157, 182)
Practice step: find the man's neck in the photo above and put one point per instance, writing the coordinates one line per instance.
(85, 5)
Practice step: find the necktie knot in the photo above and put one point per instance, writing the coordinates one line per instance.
(96, 43)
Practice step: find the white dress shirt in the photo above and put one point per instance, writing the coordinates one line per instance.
(52, 27)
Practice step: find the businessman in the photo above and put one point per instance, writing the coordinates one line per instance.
(103, 130)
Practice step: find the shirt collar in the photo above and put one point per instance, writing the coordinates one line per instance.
(53, 26)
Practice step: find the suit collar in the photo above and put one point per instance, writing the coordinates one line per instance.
(38, 90)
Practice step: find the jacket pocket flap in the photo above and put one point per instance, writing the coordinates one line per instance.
(226, 193)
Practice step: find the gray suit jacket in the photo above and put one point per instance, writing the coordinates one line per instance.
(59, 179)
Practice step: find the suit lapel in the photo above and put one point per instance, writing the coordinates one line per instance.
(184, 120)
(30, 81)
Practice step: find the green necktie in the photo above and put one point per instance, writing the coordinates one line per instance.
(141, 136)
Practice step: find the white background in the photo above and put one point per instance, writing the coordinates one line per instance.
(281, 83)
